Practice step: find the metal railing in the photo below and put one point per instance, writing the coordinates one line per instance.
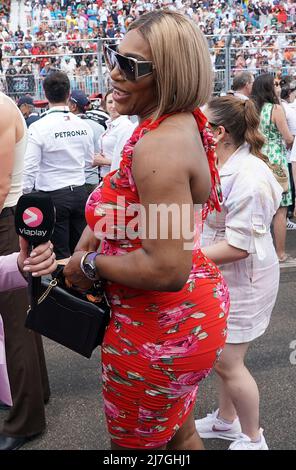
(97, 81)
(23, 84)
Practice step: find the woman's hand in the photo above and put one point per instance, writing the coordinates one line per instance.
(88, 241)
(100, 160)
(40, 262)
(74, 276)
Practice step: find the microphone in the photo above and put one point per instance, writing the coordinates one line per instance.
(34, 221)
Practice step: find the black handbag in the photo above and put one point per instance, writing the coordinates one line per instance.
(68, 317)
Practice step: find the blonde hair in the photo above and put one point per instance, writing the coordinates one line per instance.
(180, 53)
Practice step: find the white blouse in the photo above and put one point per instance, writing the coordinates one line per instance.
(290, 111)
(113, 140)
(251, 196)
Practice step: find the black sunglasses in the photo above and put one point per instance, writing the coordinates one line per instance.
(215, 126)
(132, 69)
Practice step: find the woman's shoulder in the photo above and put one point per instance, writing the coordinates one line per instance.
(247, 169)
(255, 173)
(179, 129)
(278, 110)
(176, 137)
(254, 181)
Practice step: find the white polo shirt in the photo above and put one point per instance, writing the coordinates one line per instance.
(60, 145)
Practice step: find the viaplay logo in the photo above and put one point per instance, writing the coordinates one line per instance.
(33, 217)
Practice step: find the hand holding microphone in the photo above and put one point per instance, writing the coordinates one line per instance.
(40, 262)
(34, 221)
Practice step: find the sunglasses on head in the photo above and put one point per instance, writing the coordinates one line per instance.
(132, 69)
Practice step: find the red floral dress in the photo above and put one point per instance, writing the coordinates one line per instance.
(158, 345)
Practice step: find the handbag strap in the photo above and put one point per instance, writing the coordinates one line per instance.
(51, 285)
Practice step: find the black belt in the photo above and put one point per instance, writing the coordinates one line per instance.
(72, 187)
(7, 211)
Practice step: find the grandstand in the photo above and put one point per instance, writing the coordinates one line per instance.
(37, 36)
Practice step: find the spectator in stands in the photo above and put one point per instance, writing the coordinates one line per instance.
(240, 63)
(68, 65)
(83, 69)
(27, 107)
(45, 70)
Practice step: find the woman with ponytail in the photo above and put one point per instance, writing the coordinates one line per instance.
(238, 239)
(266, 94)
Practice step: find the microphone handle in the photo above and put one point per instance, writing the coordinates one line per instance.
(34, 287)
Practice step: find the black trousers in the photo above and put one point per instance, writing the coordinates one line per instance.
(24, 351)
(70, 219)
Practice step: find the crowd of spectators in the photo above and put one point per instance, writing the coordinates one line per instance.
(63, 34)
(4, 10)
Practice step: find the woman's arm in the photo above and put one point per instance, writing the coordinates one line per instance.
(223, 253)
(161, 175)
(279, 118)
(87, 241)
(100, 160)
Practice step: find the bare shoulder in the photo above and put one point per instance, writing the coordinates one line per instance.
(8, 112)
(172, 157)
(278, 110)
(174, 142)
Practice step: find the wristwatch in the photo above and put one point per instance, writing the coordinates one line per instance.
(88, 265)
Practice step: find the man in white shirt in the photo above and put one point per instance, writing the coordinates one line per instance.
(242, 85)
(60, 145)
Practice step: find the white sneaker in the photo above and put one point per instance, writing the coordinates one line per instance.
(245, 443)
(291, 225)
(213, 427)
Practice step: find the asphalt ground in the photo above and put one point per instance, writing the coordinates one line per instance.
(75, 419)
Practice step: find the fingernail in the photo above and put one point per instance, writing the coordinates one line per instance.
(33, 254)
(35, 274)
(26, 268)
(27, 262)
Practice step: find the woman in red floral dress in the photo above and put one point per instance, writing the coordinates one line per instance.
(169, 302)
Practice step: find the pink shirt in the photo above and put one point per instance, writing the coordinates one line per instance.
(10, 277)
